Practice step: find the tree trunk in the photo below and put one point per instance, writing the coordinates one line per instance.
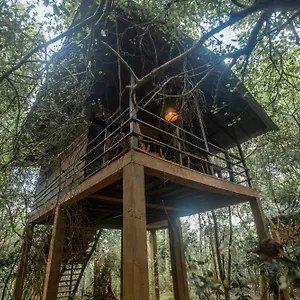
(219, 259)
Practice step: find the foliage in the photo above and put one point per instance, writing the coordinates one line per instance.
(262, 52)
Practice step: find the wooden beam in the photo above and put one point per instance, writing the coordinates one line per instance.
(154, 266)
(180, 284)
(21, 273)
(135, 283)
(167, 170)
(154, 167)
(158, 225)
(52, 275)
(148, 205)
(187, 207)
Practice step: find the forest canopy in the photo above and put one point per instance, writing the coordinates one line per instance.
(46, 54)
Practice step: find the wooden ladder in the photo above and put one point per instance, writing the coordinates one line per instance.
(73, 268)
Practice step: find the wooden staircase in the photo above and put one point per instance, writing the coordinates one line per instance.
(76, 257)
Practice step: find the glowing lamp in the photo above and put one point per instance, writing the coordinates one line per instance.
(171, 115)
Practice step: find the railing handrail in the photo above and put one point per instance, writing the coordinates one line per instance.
(185, 131)
(86, 153)
(188, 154)
(187, 142)
(57, 179)
(90, 150)
(72, 172)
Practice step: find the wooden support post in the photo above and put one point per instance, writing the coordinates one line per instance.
(180, 284)
(259, 219)
(135, 283)
(229, 167)
(52, 275)
(261, 227)
(199, 114)
(21, 273)
(179, 144)
(155, 280)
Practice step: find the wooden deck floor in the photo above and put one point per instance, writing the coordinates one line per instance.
(169, 188)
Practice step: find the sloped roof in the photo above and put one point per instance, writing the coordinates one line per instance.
(239, 116)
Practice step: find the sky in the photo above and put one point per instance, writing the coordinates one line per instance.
(226, 35)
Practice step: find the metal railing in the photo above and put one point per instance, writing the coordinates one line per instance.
(189, 150)
(83, 158)
(89, 154)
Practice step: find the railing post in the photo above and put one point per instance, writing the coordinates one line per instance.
(229, 166)
(133, 115)
(179, 145)
(244, 163)
(210, 168)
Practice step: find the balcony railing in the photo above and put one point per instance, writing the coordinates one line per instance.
(124, 131)
(193, 151)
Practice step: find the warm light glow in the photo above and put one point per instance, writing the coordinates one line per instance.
(171, 116)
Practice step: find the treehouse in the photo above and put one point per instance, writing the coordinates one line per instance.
(158, 143)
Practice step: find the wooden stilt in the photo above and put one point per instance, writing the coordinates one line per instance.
(261, 227)
(180, 284)
(21, 273)
(135, 283)
(52, 275)
(259, 219)
(155, 281)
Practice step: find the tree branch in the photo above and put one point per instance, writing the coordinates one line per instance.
(238, 4)
(290, 23)
(126, 65)
(87, 21)
(235, 17)
(247, 50)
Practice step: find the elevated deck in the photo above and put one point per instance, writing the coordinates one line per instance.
(170, 154)
(169, 189)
